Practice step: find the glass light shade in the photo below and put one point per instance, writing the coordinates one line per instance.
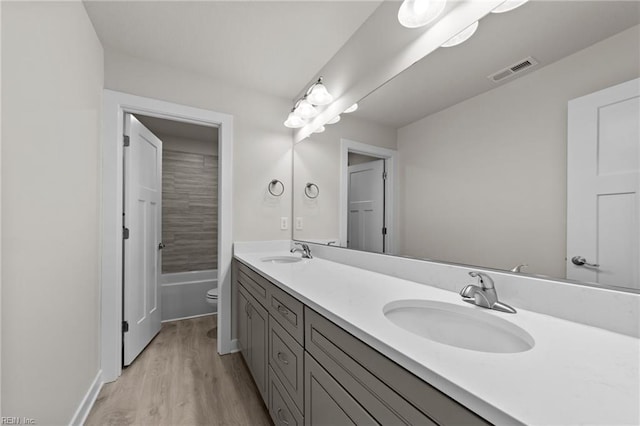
(462, 36)
(319, 129)
(293, 121)
(319, 95)
(351, 108)
(305, 109)
(509, 5)
(334, 120)
(418, 13)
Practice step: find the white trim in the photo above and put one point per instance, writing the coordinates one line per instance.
(89, 399)
(190, 317)
(390, 155)
(235, 347)
(115, 104)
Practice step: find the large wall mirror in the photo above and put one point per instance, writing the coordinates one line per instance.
(446, 163)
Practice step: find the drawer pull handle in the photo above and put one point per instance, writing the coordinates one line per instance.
(281, 417)
(282, 310)
(282, 358)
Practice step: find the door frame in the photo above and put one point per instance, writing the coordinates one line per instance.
(115, 104)
(390, 155)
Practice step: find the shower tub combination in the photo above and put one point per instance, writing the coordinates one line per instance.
(184, 294)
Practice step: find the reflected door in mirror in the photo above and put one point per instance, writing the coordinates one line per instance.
(366, 206)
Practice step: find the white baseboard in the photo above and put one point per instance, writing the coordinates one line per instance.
(191, 317)
(234, 346)
(87, 402)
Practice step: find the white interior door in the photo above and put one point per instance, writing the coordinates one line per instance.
(143, 219)
(366, 206)
(603, 180)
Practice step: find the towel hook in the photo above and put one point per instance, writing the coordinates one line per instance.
(272, 188)
(310, 192)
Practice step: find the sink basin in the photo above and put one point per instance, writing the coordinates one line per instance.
(459, 326)
(282, 259)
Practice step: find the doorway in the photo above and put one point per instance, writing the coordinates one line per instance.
(115, 106)
(367, 197)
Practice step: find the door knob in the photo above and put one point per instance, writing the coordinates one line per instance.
(161, 246)
(581, 261)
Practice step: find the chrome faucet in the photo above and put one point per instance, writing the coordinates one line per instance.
(519, 268)
(484, 294)
(305, 250)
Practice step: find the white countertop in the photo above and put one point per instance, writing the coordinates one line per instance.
(575, 374)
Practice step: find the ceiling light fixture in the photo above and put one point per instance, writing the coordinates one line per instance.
(334, 120)
(462, 36)
(294, 121)
(351, 108)
(318, 94)
(418, 13)
(304, 109)
(508, 6)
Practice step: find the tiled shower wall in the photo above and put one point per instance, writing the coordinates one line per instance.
(189, 211)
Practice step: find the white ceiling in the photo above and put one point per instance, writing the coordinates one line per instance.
(546, 30)
(275, 47)
(179, 129)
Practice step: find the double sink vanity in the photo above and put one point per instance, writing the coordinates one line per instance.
(330, 343)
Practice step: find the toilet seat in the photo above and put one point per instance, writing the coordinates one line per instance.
(212, 294)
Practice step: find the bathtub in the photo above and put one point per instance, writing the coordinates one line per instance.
(184, 294)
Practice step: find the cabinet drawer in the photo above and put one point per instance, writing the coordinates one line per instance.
(255, 284)
(393, 395)
(286, 357)
(327, 403)
(288, 311)
(282, 409)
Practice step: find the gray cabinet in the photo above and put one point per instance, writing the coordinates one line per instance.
(327, 403)
(253, 325)
(311, 371)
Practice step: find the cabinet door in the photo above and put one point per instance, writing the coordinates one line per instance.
(326, 402)
(242, 306)
(258, 346)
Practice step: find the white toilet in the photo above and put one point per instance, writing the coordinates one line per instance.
(212, 298)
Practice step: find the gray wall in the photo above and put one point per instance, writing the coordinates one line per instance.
(52, 79)
(189, 211)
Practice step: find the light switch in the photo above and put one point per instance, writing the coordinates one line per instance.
(299, 223)
(284, 223)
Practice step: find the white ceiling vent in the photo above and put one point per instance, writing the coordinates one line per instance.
(514, 69)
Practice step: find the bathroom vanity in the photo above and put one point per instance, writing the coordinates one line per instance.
(322, 350)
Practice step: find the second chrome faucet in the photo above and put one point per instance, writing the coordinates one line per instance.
(484, 294)
(305, 250)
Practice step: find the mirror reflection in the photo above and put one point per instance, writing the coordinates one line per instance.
(474, 156)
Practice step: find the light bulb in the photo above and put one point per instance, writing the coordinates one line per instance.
(418, 13)
(319, 129)
(319, 95)
(462, 36)
(305, 110)
(351, 108)
(294, 121)
(509, 5)
(334, 120)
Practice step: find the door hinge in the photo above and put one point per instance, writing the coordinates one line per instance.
(384, 175)
(125, 233)
(384, 231)
(125, 326)
(127, 141)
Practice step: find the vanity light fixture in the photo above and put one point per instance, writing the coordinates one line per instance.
(319, 129)
(462, 36)
(334, 120)
(304, 109)
(418, 13)
(509, 5)
(294, 121)
(351, 108)
(318, 94)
